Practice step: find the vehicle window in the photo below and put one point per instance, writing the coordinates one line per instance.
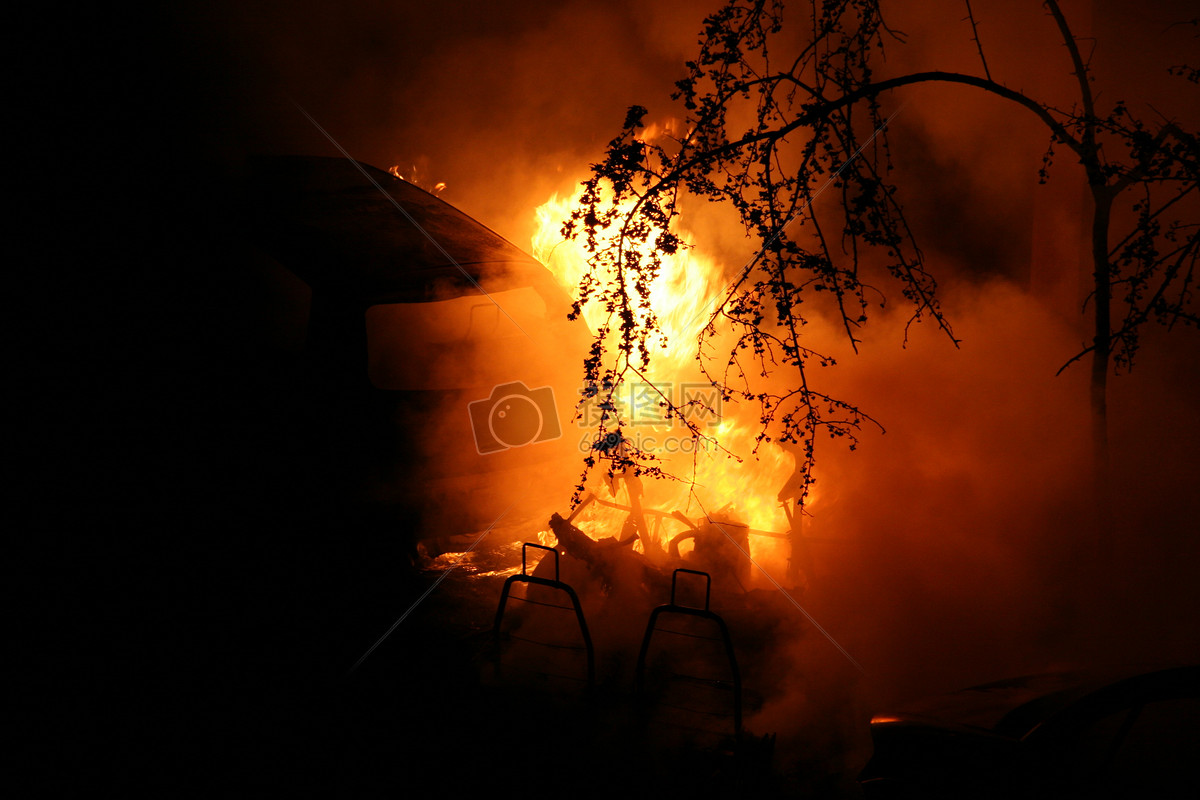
(1159, 751)
(1097, 742)
(452, 343)
(471, 317)
(1141, 751)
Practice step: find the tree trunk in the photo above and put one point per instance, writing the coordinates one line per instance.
(1101, 358)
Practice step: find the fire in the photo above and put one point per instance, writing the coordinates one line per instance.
(683, 296)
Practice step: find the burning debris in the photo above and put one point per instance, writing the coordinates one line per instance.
(719, 550)
(686, 691)
(618, 592)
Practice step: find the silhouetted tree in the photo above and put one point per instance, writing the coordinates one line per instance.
(775, 117)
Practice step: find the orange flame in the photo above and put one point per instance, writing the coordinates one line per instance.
(683, 296)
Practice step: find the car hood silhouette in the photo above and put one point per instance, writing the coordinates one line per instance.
(1125, 731)
(444, 367)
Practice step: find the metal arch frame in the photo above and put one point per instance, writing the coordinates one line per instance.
(703, 613)
(524, 577)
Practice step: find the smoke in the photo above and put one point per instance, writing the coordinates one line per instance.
(960, 523)
(503, 102)
(955, 548)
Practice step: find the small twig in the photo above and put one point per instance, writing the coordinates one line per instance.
(975, 36)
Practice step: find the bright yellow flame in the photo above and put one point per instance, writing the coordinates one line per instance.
(683, 296)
